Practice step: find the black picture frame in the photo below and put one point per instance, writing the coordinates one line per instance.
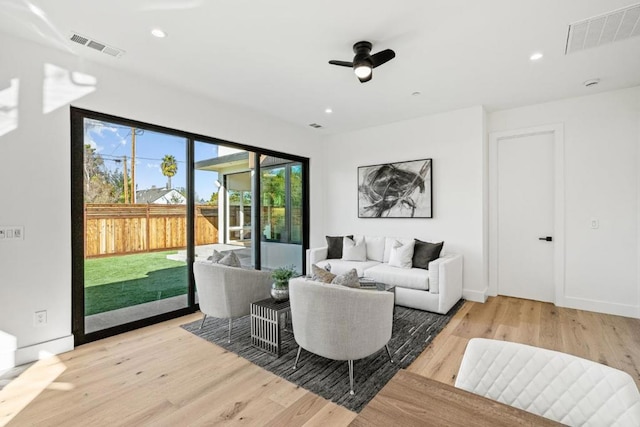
(396, 190)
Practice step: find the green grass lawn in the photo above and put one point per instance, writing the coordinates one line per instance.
(122, 281)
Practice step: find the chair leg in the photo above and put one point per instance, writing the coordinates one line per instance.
(295, 364)
(229, 337)
(351, 392)
(203, 319)
(389, 353)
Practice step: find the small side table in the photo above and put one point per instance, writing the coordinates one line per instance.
(266, 324)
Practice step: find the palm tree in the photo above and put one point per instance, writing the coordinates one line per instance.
(169, 168)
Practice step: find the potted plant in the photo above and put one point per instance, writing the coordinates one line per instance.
(280, 287)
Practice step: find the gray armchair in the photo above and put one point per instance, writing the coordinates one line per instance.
(227, 292)
(340, 323)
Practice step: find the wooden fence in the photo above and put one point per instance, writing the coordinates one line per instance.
(117, 229)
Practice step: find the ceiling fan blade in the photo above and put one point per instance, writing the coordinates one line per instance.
(365, 79)
(382, 57)
(341, 63)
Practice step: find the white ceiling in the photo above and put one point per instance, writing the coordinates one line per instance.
(272, 56)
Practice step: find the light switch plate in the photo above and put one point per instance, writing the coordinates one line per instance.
(11, 232)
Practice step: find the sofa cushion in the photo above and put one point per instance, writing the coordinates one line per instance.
(334, 246)
(375, 248)
(348, 279)
(425, 252)
(412, 278)
(401, 255)
(320, 274)
(354, 250)
(388, 244)
(339, 266)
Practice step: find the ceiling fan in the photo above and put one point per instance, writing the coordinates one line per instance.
(363, 62)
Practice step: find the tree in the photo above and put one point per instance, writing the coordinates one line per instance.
(213, 201)
(100, 185)
(169, 168)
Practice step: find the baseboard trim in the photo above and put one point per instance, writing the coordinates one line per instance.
(475, 296)
(601, 307)
(44, 349)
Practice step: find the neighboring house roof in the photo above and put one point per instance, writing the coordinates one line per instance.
(159, 196)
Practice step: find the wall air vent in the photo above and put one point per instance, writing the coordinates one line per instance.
(602, 29)
(94, 44)
(315, 125)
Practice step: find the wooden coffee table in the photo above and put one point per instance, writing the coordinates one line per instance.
(409, 399)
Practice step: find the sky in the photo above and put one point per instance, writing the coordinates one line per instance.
(113, 142)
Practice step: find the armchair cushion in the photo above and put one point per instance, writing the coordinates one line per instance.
(321, 274)
(348, 279)
(216, 256)
(230, 259)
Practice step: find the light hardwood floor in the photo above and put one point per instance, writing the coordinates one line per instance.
(164, 376)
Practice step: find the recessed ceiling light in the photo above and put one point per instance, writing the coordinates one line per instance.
(536, 56)
(157, 32)
(328, 110)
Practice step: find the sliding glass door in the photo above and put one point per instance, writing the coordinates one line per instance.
(148, 202)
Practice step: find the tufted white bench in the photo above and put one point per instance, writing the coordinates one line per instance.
(558, 386)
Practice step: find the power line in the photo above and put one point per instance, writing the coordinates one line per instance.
(111, 157)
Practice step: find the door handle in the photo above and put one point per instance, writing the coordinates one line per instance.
(547, 239)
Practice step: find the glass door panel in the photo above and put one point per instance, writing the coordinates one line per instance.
(135, 224)
(223, 175)
(281, 213)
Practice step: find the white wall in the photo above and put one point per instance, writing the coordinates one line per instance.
(601, 138)
(456, 143)
(35, 273)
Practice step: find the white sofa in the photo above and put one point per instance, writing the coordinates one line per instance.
(436, 289)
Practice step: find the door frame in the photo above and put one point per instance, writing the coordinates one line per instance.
(557, 130)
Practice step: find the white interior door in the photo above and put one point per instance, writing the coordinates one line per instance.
(525, 215)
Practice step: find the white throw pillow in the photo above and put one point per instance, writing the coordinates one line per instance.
(401, 255)
(388, 244)
(353, 251)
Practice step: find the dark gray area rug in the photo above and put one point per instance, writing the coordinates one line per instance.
(413, 330)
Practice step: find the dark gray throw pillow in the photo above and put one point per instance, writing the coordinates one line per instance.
(334, 244)
(425, 252)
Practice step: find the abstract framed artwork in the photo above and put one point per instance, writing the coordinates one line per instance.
(396, 190)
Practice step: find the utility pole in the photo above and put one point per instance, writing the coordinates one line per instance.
(126, 180)
(133, 165)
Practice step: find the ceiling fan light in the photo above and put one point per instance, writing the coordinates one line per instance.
(362, 70)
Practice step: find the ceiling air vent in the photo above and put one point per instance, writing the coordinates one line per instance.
(609, 27)
(315, 125)
(94, 44)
